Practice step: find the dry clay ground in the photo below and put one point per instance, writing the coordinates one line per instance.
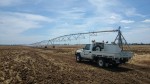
(26, 65)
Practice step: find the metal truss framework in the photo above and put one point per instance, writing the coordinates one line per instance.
(77, 36)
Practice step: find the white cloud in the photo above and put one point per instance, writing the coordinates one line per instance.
(74, 13)
(9, 2)
(138, 35)
(33, 17)
(127, 21)
(15, 23)
(114, 18)
(104, 3)
(103, 16)
(60, 30)
(146, 21)
(127, 27)
(111, 18)
(132, 12)
(104, 12)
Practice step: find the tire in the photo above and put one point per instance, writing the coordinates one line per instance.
(101, 62)
(97, 48)
(78, 58)
(115, 65)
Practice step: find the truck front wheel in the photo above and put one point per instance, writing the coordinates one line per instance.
(78, 58)
(101, 62)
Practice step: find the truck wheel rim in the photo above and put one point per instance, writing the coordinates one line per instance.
(100, 62)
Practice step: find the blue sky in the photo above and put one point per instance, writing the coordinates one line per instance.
(29, 21)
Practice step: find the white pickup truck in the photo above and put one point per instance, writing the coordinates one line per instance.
(104, 54)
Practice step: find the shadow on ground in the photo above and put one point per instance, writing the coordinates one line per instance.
(110, 68)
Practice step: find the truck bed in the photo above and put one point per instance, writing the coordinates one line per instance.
(122, 54)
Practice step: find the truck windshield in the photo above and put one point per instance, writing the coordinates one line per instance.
(87, 47)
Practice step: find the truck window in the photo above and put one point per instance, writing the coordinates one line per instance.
(87, 47)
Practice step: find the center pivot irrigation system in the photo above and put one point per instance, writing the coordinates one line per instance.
(120, 40)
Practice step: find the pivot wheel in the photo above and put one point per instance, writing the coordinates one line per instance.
(101, 62)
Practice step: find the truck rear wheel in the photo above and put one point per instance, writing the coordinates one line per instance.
(78, 58)
(101, 62)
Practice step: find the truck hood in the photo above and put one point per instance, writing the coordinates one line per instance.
(79, 50)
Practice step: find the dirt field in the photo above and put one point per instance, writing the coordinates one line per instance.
(26, 65)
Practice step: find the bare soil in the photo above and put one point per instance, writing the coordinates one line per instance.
(26, 65)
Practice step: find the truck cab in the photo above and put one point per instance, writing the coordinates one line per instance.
(89, 48)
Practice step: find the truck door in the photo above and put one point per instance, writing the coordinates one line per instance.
(87, 51)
